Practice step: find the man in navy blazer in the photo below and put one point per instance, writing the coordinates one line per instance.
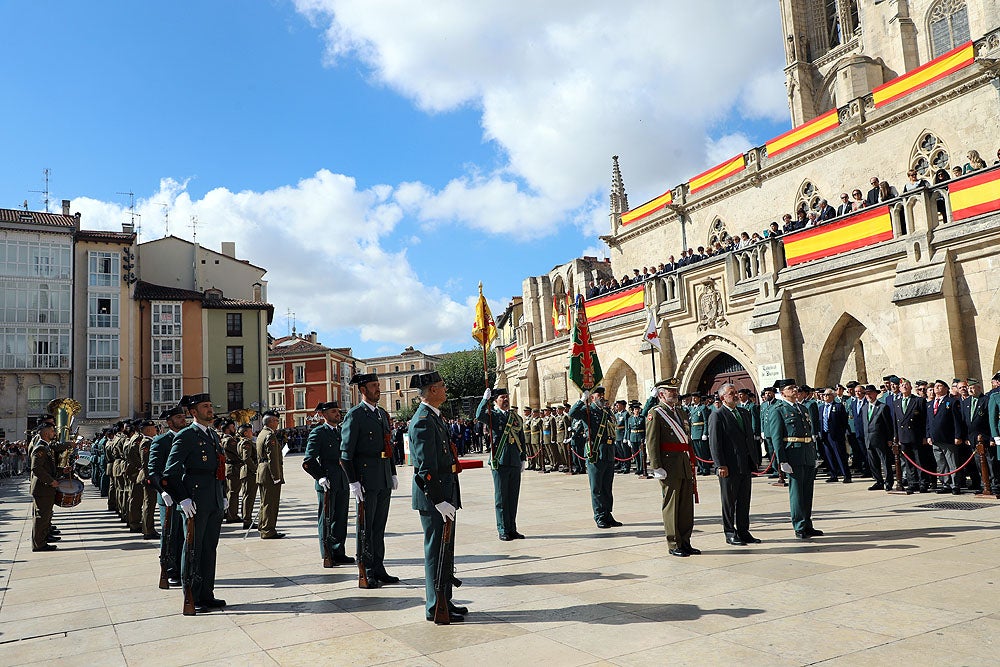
(910, 418)
(832, 429)
(943, 434)
(730, 440)
(877, 421)
(862, 462)
(974, 421)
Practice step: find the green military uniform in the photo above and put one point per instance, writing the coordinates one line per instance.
(322, 460)
(234, 466)
(248, 478)
(173, 532)
(133, 468)
(114, 473)
(600, 457)
(635, 435)
(526, 430)
(754, 411)
(668, 446)
(195, 470)
(145, 489)
(549, 441)
(698, 415)
(562, 432)
(505, 463)
(621, 442)
(366, 456)
(97, 461)
(270, 477)
(537, 461)
(43, 494)
(789, 428)
(436, 468)
(765, 409)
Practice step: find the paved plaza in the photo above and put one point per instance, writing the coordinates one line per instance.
(890, 581)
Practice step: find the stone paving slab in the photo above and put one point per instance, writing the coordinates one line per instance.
(889, 582)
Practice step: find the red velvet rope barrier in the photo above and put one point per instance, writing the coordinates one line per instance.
(637, 452)
(937, 474)
(766, 470)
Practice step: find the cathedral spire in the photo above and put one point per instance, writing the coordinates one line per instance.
(619, 198)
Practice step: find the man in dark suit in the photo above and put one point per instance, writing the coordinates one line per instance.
(322, 463)
(832, 429)
(826, 212)
(857, 402)
(877, 421)
(910, 419)
(974, 421)
(845, 205)
(943, 435)
(730, 440)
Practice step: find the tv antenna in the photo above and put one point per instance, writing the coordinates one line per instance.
(46, 173)
(166, 217)
(290, 321)
(131, 211)
(194, 229)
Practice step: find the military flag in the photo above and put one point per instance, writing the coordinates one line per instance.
(484, 330)
(584, 366)
(652, 334)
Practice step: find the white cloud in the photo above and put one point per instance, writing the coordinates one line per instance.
(561, 86)
(726, 147)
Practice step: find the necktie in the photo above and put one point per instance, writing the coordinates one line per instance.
(826, 417)
(871, 409)
(739, 420)
(972, 412)
(936, 402)
(906, 400)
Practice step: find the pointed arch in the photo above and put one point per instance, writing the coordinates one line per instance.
(851, 352)
(929, 153)
(621, 382)
(807, 196)
(704, 351)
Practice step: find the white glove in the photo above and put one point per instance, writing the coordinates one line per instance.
(997, 440)
(659, 473)
(447, 510)
(704, 437)
(586, 396)
(486, 394)
(524, 466)
(395, 482)
(325, 483)
(167, 500)
(188, 508)
(818, 462)
(357, 492)
(225, 504)
(786, 467)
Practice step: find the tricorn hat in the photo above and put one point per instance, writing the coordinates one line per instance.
(364, 378)
(421, 380)
(327, 405)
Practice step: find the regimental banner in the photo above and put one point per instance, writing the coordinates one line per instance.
(647, 209)
(975, 195)
(561, 306)
(803, 133)
(924, 75)
(864, 228)
(510, 353)
(618, 303)
(716, 174)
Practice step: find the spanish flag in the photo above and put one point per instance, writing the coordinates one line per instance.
(510, 353)
(924, 75)
(975, 195)
(803, 133)
(484, 330)
(647, 209)
(617, 303)
(719, 173)
(864, 228)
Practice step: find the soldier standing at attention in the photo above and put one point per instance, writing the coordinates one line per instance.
(270, 476)
(144, 488)
(322, 462)
(621, 443)
(436, 494)
(196, 477)
(526, 430)
(133, 468)
(234, 465)
(600, 454)
(366, 457)
(699, 433)
(790, 430)
(537, 451)
(507, 460)
(159, 449)
(43, 488)
(548, 424)
(671, 458)
(635, 435)
(248, 474)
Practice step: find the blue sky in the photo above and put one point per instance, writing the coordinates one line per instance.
(379, 158)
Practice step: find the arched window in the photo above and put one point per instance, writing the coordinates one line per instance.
(808, 197)
(717, 233)
(929, 154)
(948, 26)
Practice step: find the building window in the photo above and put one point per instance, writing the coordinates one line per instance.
(300, 420)
(166, 356)
(299, 373)
(34, 303)
(276, 399)
(166, 391)
(808, 197)
(32, 259)
(397, 404)
(412, 367)
(949, 26)
(166, 319)
(234, 395)
(234, 324)
(397, 385)
(234, 359)
(102, 393)
(276, 372)
(300, 399)
(102, 352)
(929, 154)
(102, 269)
(102, 311)
(39, 397)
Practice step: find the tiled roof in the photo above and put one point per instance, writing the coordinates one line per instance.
(151, 292)
(99, 235)
(18, 215)
(290, 345)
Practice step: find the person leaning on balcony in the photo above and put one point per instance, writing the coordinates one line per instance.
(857, 200)
(845, 204)
(826, 212)
(975, 162)
(914, 182)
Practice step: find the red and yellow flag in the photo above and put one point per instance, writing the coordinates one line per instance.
(484, 330)
(647, 209)
(719, 173)
(975, 195)
(618, 303)
(803, 133)
(926, 74)
(510, 353)
(864, 228)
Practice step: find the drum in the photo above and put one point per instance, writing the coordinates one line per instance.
(69, 493)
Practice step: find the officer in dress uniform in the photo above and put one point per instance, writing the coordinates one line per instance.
(366, 457)
(562, 433)
(671, 458)
(159, 450)
(43, 487)
(789, 428)
(600, 453)
(234, 465)
(745, 398)
(144, 487)
(548, 425)
(270, 476)
(248, 474)
(322, 463)
(508, 458)
(436, 494)
(621, 415)
(698, 414)
(133, 469)
(635, 436)
(537, 451)
(196, 478)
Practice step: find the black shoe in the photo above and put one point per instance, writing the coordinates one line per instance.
(372, 583)
(455, 609)
(831, 480)
(343, 560)
(452, 618)
(812, 532)
(387, 578)
(749, 539)
(213, 603)
(735, 541)
(52, 538)
(602, 525)
(954, 492)
(506, 538)
(55, 531)
(174, 581)
(47, 547)
(877, 487)
(691, 551)
(801, 535)
(924, 489)
(942, 490)
(151, 536)
(680, 553)
(276, 536)
(517, 536)
(846, 480)
(614, 523)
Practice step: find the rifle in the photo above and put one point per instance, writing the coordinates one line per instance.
(445, 574)
(189, 575)
(165, 560)
(362, 546)
(327, 510)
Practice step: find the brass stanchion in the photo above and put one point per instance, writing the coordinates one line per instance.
(984, 470)
(899, 490)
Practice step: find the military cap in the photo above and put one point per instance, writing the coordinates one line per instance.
(421, 380)
(269, 414)
(973, 381)
(185, 401)
(225, 422)
(635, 404)
(852, 384)
(364, 378)
(566, 405)
(806, 388)
(787, 382)
(887, 378)
(498, 391)
(243, 427)
(839, 386)
(177, 410)
(327, 405)
(941, 382)
(623, 402)
(44, 425)
(46, 417)
(766, 389)
(744, 391)
(996, 377)
(870, 388)
(143, 423)
(669, 383)
(920, 383)
(597, 390)
(195, 399)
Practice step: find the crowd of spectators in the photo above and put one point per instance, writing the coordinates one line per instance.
(13, 459)
(804, 217)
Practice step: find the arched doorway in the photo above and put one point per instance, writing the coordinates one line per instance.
(724, 369)
(621, 382)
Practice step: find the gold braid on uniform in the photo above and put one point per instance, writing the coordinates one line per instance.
(502, 442)
(601, 430)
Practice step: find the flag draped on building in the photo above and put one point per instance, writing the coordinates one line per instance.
(584, 366)
(652, 334)
(484, 330)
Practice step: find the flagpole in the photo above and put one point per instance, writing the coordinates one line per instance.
(652, 360)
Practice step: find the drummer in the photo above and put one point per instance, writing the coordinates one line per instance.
(43, 488)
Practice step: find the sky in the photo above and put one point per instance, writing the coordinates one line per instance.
(380, 158)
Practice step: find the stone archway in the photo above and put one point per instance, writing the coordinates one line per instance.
(697, 361)
(621, 382)
(851, 352)
(724, 369)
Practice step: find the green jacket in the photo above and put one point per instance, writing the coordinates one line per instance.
(754, 411)
(635, 430)
(786, 421)
(508, 435)
(435, 469)
(322, 457)
(192, 466)
(601, 426)
(698, 416)
(363, 437)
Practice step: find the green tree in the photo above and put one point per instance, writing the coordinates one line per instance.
(463, 374)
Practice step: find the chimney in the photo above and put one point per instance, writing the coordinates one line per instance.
(229, 249)
(65, 203)
(312, 336)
